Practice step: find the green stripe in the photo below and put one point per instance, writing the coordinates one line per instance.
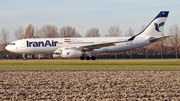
(67, 39)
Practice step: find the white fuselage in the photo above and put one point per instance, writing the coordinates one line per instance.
(49, 45)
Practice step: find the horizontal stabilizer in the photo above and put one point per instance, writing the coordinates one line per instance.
(153, 39)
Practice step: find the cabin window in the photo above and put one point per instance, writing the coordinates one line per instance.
(12, 43)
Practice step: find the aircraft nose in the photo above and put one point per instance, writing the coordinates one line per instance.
(7, 47)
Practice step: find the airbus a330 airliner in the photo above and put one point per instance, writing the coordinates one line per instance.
(84, 47)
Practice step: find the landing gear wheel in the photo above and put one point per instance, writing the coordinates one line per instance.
(82, 57)
(93, 58)
(24, 57)
(88, 58)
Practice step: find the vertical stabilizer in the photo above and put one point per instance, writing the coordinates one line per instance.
(155, 27)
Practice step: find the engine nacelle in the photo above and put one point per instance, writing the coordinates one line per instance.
(56, 55)
(68, 53)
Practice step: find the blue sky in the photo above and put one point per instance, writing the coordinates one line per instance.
(85, 14)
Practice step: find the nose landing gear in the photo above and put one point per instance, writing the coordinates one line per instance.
(24, 57)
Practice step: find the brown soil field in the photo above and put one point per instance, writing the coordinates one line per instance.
(90, 85)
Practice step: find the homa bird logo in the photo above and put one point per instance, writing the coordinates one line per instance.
(157, 26)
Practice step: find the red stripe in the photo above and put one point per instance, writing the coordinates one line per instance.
(67, 41)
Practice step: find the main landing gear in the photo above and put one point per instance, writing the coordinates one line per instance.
(88, 57)
(83, 56)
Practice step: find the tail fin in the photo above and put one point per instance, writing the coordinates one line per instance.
(155, 27)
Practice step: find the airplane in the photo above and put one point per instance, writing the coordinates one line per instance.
(84, 47)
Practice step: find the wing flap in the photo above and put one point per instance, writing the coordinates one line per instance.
(97, 46)
(92, 46)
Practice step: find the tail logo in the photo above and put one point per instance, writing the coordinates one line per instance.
(157, 26)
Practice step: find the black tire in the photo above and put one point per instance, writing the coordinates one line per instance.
(93, 58)
(88, 58)
(82, 57)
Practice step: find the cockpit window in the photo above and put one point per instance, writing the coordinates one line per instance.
(12, 43)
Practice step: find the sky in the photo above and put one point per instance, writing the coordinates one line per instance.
(85, 14)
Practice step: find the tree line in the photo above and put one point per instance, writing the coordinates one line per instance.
(168, 48)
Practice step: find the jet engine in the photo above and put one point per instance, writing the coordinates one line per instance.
(67, 53)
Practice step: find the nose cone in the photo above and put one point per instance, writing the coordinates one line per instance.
(10, 48)
(7, 47)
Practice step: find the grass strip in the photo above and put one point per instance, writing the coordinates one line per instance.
(150, 62)
(84, 67)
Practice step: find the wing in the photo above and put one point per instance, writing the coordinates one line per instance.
(161, 24)
(96, 46)
(90, 46)
(93, 46)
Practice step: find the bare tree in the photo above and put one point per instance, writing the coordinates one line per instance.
(167, 45)
(93, 32)
(47, 31)
(19, 33)
(142, 28)
(68, 31)
(36, 33)
(4, 37)
(174, 31)
(29, 31)
(114, 31)
(129, 32)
